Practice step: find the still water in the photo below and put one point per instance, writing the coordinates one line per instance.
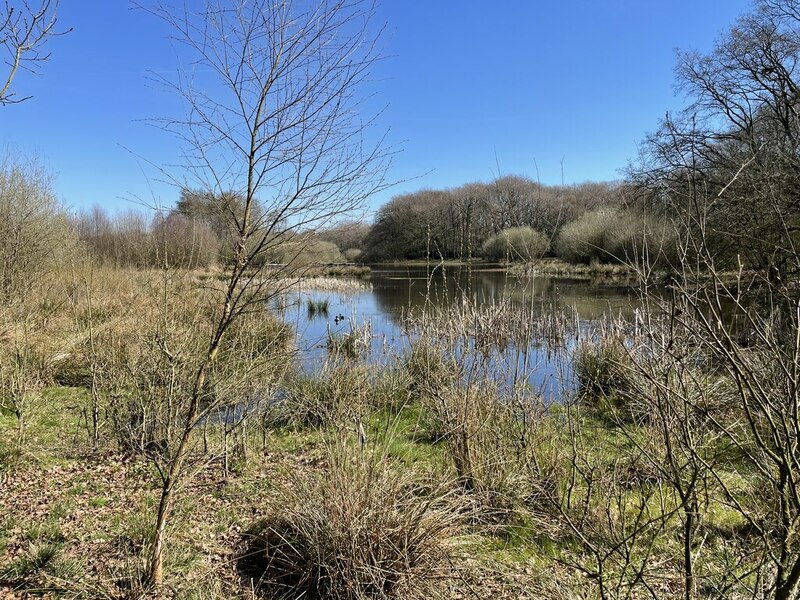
(380, 302)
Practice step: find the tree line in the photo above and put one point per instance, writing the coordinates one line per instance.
(512, 218)
(731, 155)
(726, 168)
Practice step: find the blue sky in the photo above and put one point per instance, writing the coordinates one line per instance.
(471, 89)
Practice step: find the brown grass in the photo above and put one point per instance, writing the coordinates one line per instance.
(359, 528)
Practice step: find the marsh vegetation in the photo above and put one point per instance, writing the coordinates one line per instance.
(185, 412)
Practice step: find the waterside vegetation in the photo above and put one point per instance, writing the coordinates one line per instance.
(158, 438)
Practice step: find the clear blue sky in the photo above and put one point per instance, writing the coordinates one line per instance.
(468, 84)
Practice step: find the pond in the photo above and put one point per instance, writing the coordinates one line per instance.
(376, 308)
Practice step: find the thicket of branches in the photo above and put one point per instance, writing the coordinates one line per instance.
(197, 232)
(456, 223)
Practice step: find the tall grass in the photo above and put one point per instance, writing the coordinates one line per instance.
(605, 373)
(478, 405)
(320, 283)
(493, 326)
(338, 393)
(316, 307)
(359, 528)
(141, 357)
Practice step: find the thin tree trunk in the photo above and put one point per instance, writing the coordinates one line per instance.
(156, 573)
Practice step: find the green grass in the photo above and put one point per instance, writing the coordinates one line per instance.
(404, 434)
(100, 502)
(53, 423)
(214, 509)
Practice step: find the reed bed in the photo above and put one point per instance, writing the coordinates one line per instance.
(601, 272)
(344, 285)
(496, 325)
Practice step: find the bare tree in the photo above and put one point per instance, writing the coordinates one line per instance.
(728, 167)
(33, 226)
(25, 29)
(274, 116)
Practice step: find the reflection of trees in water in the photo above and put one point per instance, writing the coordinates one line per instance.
(399, 290)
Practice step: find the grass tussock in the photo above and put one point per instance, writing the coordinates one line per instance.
(428, 370)
(339, 393)
(486, 442)
(604, 373)
(360, 528)
(317, 307)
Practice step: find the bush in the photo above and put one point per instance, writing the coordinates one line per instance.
(145, 364)
(352, 254)
(516, 243)
(616, 235)
(359, 528)
(34, 233)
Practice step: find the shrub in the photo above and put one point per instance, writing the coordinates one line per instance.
(615, 235)
(516, 243)
(352, 254)
(145, 363)
(181, 241)
(34, 233)
(359, 528)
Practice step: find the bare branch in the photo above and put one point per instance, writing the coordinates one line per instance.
(25, 29)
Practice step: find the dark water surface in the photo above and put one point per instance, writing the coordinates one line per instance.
(397, 291)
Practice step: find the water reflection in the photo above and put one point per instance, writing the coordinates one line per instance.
(396, 292)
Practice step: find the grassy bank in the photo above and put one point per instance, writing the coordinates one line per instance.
(435, 475)
(77, 519)
(600, 272)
